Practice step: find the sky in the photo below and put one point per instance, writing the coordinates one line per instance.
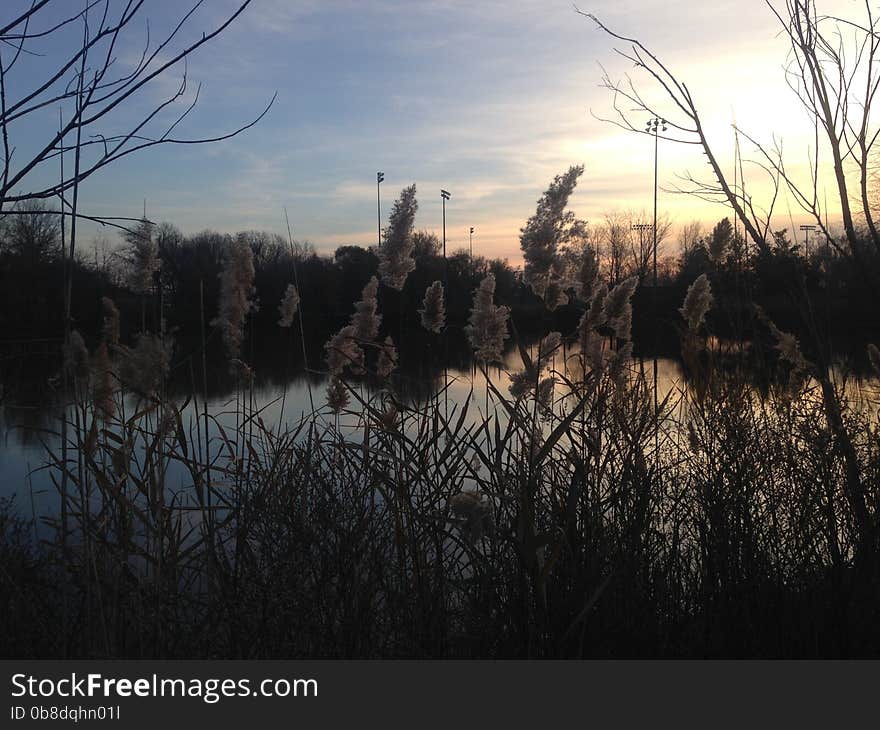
(488, 100)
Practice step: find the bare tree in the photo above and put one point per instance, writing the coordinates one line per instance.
(91, 88)
(833, 70)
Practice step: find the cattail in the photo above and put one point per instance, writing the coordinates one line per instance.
(76, 356)
(874, 357)
(395, 254)
(145, 256)
(487, 325)
(433, 309)
(365, 319)
(618, 308)
(343, 351)
(143, 368)
(387, 361)
(289, 306)
(697, 302)
(337, 395)
(236, 288)
(103, 386)
(110, 325)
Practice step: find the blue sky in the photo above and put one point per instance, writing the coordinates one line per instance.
(489, 100)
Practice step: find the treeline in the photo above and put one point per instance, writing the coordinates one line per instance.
(185, 287)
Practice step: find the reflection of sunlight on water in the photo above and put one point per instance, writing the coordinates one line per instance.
(289, 404)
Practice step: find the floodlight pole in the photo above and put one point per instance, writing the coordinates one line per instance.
(472, 244)
(380, 176)
(806, 229)
(445, 195)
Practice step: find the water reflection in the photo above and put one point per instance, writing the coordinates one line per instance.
(283, 391)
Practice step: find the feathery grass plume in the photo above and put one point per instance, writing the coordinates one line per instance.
(76, 356)
(387, 361)
(102, 389)
(236, 288)
(343, 351)
(487, 326)
(588, 272)
(433, 309)
(521, 383)
(617, 365)
(786, 343)
(289, 306)
(544, 394)
(110, 324)
(542, 234)
(365, 319)
(242, 371)
(548, 347)
(395, 254)
(144, 256)
(388, 417)
(143, 368)
(697, 302)
(874, 357)
(618, 308)
(474, 514)
(590, 340)
(524, 382)
(337, 395)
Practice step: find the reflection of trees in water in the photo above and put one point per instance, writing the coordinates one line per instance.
(32, 397)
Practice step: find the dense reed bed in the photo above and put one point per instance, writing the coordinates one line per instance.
(570, 512)
(571, 521)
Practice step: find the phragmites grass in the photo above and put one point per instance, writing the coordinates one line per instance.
(387, 362)
(343, 351)
(76, 356)
(524, 382)
(236, 289)
(143, 368)
(337, 395)
(289, 306)
(433, 309)
(110, 324)
(102, 390)
(540, 238)
(473, 515)
(590, 340)
(697, 302)
(548, 347)
(786, 343)
(144, 256)
(366, 319)
(487, 326)
(588, 272)
(874, 357)
(395, 254)
(618, 308)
